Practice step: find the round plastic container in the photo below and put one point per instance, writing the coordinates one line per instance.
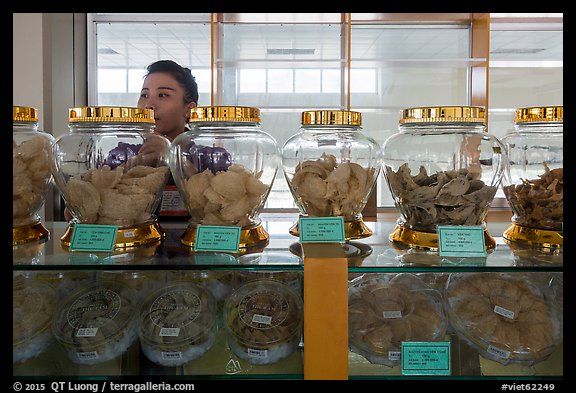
(442, 168)
(331, 167)
(31, 175)
(110, 169)
(219, 282)
(503, 315)
(263, 320)
(97, 323)
(386, 310)
(534, 180)
(177, 324)
(293, 278)
(33, 307)
(224, 168)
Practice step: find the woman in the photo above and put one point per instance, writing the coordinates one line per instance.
(171, 91)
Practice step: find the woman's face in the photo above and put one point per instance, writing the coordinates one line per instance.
(162, 93)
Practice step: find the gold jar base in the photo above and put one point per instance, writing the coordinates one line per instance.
(427, 240)
(126, 237)
(540, 239)
(354, 229)
(253, 238)
(29, 233)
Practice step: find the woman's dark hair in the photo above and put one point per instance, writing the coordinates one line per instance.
(182, 74)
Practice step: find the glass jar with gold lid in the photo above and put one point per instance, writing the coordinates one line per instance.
(31, 175)
(224, 167)
(110, 169)
(534, 180)
(331, 166)
(442, 168)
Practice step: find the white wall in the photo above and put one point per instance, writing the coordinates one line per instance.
(43, 76)
(27, 62)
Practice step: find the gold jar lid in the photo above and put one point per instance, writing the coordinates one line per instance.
(225, 113)
(332, 117)
(443, 114)
(110, 114)
(539, 114)
(24, 113)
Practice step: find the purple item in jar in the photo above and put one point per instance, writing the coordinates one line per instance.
(216, 159)
(122, 153)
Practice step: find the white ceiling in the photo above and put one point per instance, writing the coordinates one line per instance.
(138, 43)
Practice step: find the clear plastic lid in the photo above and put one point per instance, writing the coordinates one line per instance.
(505, 316)
(385, 310)
(178, 313)
(95, 314)
(33, 305)
(263, 312)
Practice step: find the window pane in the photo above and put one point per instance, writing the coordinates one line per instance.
(362, 81)
(280, 81)
(331, 82)
(252, 81)
(203, 80)
(111, 80)
(395, 67)
(135, 79)
(307, 81)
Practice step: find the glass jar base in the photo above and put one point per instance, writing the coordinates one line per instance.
(126, 237)
(29, 233)
(534, 238)
(253, 238)
(354, 229)
(427, 240)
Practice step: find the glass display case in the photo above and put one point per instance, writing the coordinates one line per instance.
(147, 272)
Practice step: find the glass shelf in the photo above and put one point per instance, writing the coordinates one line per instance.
(372, 254)
(149, 266)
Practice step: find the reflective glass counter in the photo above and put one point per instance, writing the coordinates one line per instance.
(158, 264)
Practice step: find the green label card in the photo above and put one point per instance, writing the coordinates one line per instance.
(217, 238)
(461, 241)
(91, 237)
(321, 229)
(426, 358)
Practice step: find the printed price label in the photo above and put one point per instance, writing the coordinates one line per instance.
(264, 319)
(171, 355)
(257, 353)
(321, 230)
(498, 352)
(169, 332)
(91, 237)
(217, 238)
(87, 332)
(461, 241)
(426, 358)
